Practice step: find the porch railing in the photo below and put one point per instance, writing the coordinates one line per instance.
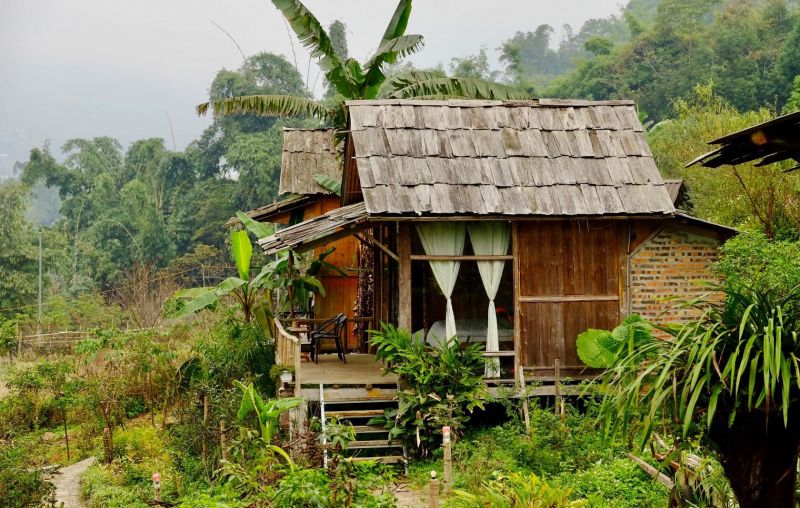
(287, 352)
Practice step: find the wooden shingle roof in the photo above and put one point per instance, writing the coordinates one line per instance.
(308, 152)
(544, 157)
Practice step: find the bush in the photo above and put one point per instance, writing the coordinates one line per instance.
(752, 260)
(21, 487)
(440, 385)
(618, 483)
(317, 488)
(516, 490)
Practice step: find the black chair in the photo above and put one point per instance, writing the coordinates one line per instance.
(330, 329)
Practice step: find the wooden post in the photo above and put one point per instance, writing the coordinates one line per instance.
(448, 460)
(404, 276)
(526, 411)
(557, 386)
(433, 491)
(157, 487)
(205, 429)
(517, 304)
(222, 445)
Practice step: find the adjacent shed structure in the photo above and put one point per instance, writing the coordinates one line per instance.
(518, 224)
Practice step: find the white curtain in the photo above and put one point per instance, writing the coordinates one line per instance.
(491, 238)
(444, 239)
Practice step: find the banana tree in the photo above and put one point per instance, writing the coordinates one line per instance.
(282, 285)
(353, 80)
(268, 414)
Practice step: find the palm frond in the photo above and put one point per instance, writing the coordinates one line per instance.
(309, 32)
(267, 105)
(468, 88)
(390, 50)
(396, 28)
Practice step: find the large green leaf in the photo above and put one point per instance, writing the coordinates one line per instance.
(202, 301)
(311, 35)
(597, 348)
(309, 32)
(260, 229)
(242, 251)
(329, 183)
(267, 105)
(469, 88)
(228, 285)
(396, 28)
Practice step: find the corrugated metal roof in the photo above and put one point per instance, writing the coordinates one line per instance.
(545, 157)
(306, 153)
(318, 229)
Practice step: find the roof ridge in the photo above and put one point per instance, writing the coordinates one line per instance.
(466, 103)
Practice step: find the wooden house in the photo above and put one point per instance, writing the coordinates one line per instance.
(306, 154)
(518, 224)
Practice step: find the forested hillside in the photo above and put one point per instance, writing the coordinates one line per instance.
(696, 69)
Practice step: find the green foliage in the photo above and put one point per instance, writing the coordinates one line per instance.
(351, 79)
(329, 183)
(18, 252)
(516, 490)
(617, 483)
(267, 414)
(23, 486)
(599, 349)
(753, 260)
(569, 455)
(316, 488)
(440, 385)
(746, 196)
(740, 356)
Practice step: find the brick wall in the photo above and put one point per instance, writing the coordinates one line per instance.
(671, 264)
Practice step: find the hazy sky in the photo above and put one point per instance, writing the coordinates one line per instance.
(82, 68)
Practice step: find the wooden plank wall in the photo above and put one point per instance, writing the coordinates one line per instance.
(340, 291)
(570, 279)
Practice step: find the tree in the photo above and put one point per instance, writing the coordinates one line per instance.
(473, 66)
(353, 80)
(256, 158)
(17, 251)
(731, 378)
(746, 196)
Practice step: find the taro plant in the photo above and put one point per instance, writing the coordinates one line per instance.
(439, 385)
(599, 349)
(731, 377)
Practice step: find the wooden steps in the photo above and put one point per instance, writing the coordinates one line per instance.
(372, 442)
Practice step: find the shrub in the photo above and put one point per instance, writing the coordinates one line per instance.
(338, 487)
(752, 260)
(440, 385)
(516, 490)
(21, 486)
(618, 483)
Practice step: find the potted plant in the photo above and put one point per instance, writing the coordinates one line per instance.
(284, 373)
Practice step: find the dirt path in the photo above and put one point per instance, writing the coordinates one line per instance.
(68, 484)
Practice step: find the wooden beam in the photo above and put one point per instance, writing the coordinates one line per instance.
(487, 257)
(517, 307)
(568, 298)
(371, 240)
(404, 276)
